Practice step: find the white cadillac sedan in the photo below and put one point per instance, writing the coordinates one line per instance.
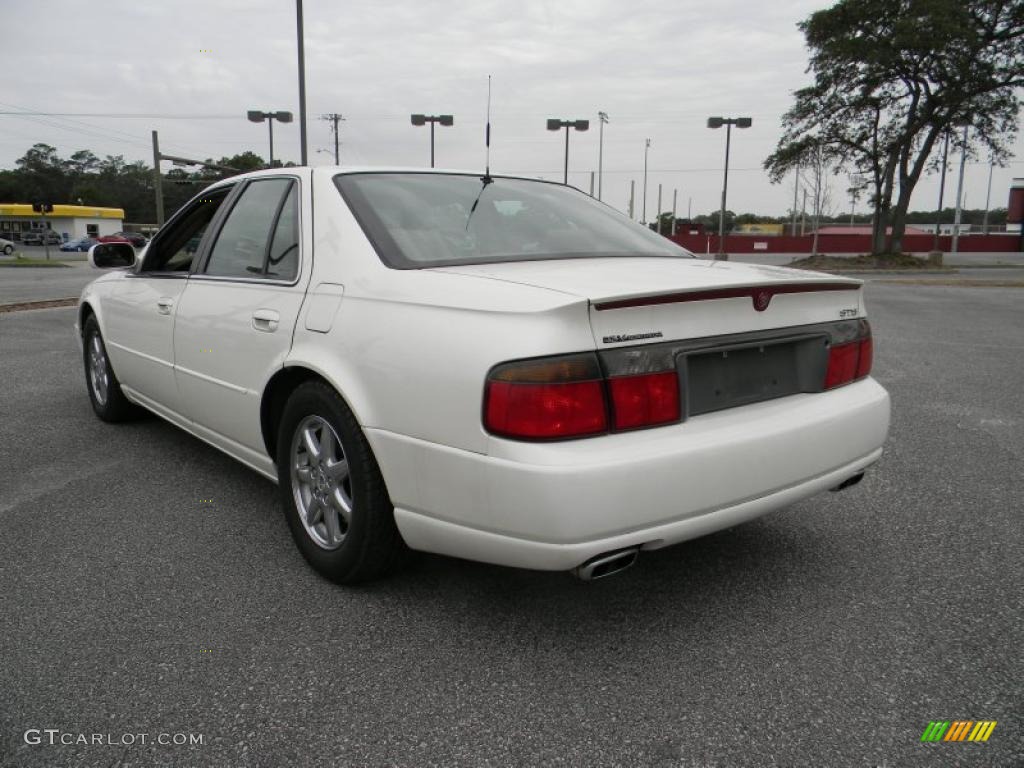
(494, 368)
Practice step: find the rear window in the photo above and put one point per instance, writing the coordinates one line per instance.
(417, 220)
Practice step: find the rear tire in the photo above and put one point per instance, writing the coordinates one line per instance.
(8, 250)
(332, 490)
(108, 401)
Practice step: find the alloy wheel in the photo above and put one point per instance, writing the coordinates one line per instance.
(321, 482)
(99, 378)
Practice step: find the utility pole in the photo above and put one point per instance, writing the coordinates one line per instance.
(602, 118)
(818, 170)
(803, 215)
(796, 191)
(591, 183)
(334, 118)
(632, 197)
(157, 179)
(158, 182)
(959, 192)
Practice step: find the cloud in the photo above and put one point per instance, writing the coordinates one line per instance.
(658, 68)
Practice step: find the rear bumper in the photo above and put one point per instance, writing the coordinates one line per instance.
(552, 506)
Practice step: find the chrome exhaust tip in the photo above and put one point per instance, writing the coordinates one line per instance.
(848, 483)
(607, 564)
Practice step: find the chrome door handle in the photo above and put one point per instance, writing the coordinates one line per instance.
(265, 320)
(164, 304)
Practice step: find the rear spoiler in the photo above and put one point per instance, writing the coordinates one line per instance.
(760, 295)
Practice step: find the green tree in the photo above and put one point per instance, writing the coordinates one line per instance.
(891, 77)
(244, 162)
(42, 177)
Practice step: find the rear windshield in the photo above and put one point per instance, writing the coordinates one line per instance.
(417, 220)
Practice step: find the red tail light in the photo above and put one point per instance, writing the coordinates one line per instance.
(563, 397)
(555, 398)
(645, 400)
(850, 361)
(568, 409)
(867, 352)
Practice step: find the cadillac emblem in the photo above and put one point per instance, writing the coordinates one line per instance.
(762, 299)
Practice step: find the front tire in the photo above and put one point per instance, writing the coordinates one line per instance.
(8, 250)
(332, 491)
(108, 401)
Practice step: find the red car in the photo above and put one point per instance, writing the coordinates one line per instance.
(124, 237)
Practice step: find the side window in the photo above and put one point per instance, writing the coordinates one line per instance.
(283, 258)
(173, 249)
(249, 238)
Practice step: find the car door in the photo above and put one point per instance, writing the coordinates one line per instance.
(139, 313)
(236, 316)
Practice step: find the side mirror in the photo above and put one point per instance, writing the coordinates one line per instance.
(112, 256)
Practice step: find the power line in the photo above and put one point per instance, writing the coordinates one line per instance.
(77, 126)
(125, 115)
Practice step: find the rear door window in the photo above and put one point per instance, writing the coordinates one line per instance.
(259, 237)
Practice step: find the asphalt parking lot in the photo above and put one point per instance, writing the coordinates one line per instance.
(149, 586)
(37, 283)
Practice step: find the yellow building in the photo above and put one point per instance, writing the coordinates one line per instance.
(69, 221)
(759, 228)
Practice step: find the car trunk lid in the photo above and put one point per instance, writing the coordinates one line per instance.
(640, 300)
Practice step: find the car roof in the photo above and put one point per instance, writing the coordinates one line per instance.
(334, 170)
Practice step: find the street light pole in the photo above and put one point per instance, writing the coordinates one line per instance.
(728, 122)
(555, 124)
(657, 213)
(959, 193)
(602, 118)
(565, 175)
(988, 198)
(421, 120)
(302, 83)
(256, 116)
(643, 216)
(675, 194)
(942, 190)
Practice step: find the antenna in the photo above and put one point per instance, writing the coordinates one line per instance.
(487, 135)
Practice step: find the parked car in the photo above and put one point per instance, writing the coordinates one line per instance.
(134, 238)
(41, 238)
(6, 247)
(81, 244)
(495, 368)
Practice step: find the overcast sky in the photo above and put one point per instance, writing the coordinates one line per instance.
(659, 69)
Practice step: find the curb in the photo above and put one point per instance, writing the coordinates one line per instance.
(40, 304)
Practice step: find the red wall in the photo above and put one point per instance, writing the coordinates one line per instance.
(848, 243)
(1015, 214)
